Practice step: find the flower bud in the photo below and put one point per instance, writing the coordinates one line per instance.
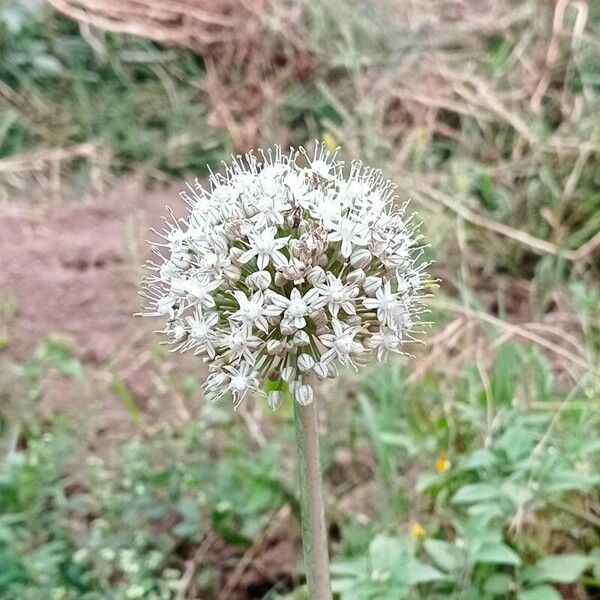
(301, 338)
(260, 280)
(357, 276)
(303, 395)
(320, 370)
(371, 285)
(316, 275)
(360, 258)
(234, 255)
(274, 399)
(286, 328)
(319, 318)
(280, 279)
(288, 374)
(232, 272)
(294, 246)
(274, 347)
(305, 362)
(332, 371)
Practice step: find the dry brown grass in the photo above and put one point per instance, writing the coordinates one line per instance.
(248, 63)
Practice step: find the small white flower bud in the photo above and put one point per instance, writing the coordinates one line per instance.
(274, 347)
(303, 395)
(295, 248)
(280, 279)
(260, 280)
(371, 285)
(274, 399)
(316, 275)
(288, 374)
(301, 338)
(232, 272)
(360, 258)
(320, 370)
(357, 276)
(234, 255)
(332, 371)
(305, 362)
(320, 318)
(287, 328)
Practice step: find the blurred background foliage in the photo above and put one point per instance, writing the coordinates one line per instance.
(469, 472)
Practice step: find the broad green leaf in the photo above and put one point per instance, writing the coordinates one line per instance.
(445, 555)
(475, 492)
(497, 553)
(479, 459)
(540, 592)
(349, 568)
(418, 572)
(559, 568)
(498, 584)
(389, 553)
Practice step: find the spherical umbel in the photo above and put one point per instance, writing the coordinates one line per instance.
(285, 268)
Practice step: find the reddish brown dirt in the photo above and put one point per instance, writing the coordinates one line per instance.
(73, 269)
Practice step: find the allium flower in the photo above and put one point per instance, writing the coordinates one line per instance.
(285, 269)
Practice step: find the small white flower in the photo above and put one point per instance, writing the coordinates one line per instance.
(349, 233)
(200, 289)
(384, 341)
(202, 334)
(297, 307)
(242, 379)
(253, 311)
(265, 247)
(341, 343)
(338, 295)
(241, 344)
(386, 303)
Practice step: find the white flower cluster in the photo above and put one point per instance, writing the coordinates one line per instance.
(281, 271)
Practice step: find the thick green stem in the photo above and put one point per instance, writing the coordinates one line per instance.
(314, 532)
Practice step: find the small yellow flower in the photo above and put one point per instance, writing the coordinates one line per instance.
(329, 141)
(442, 464)
(417, 532)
